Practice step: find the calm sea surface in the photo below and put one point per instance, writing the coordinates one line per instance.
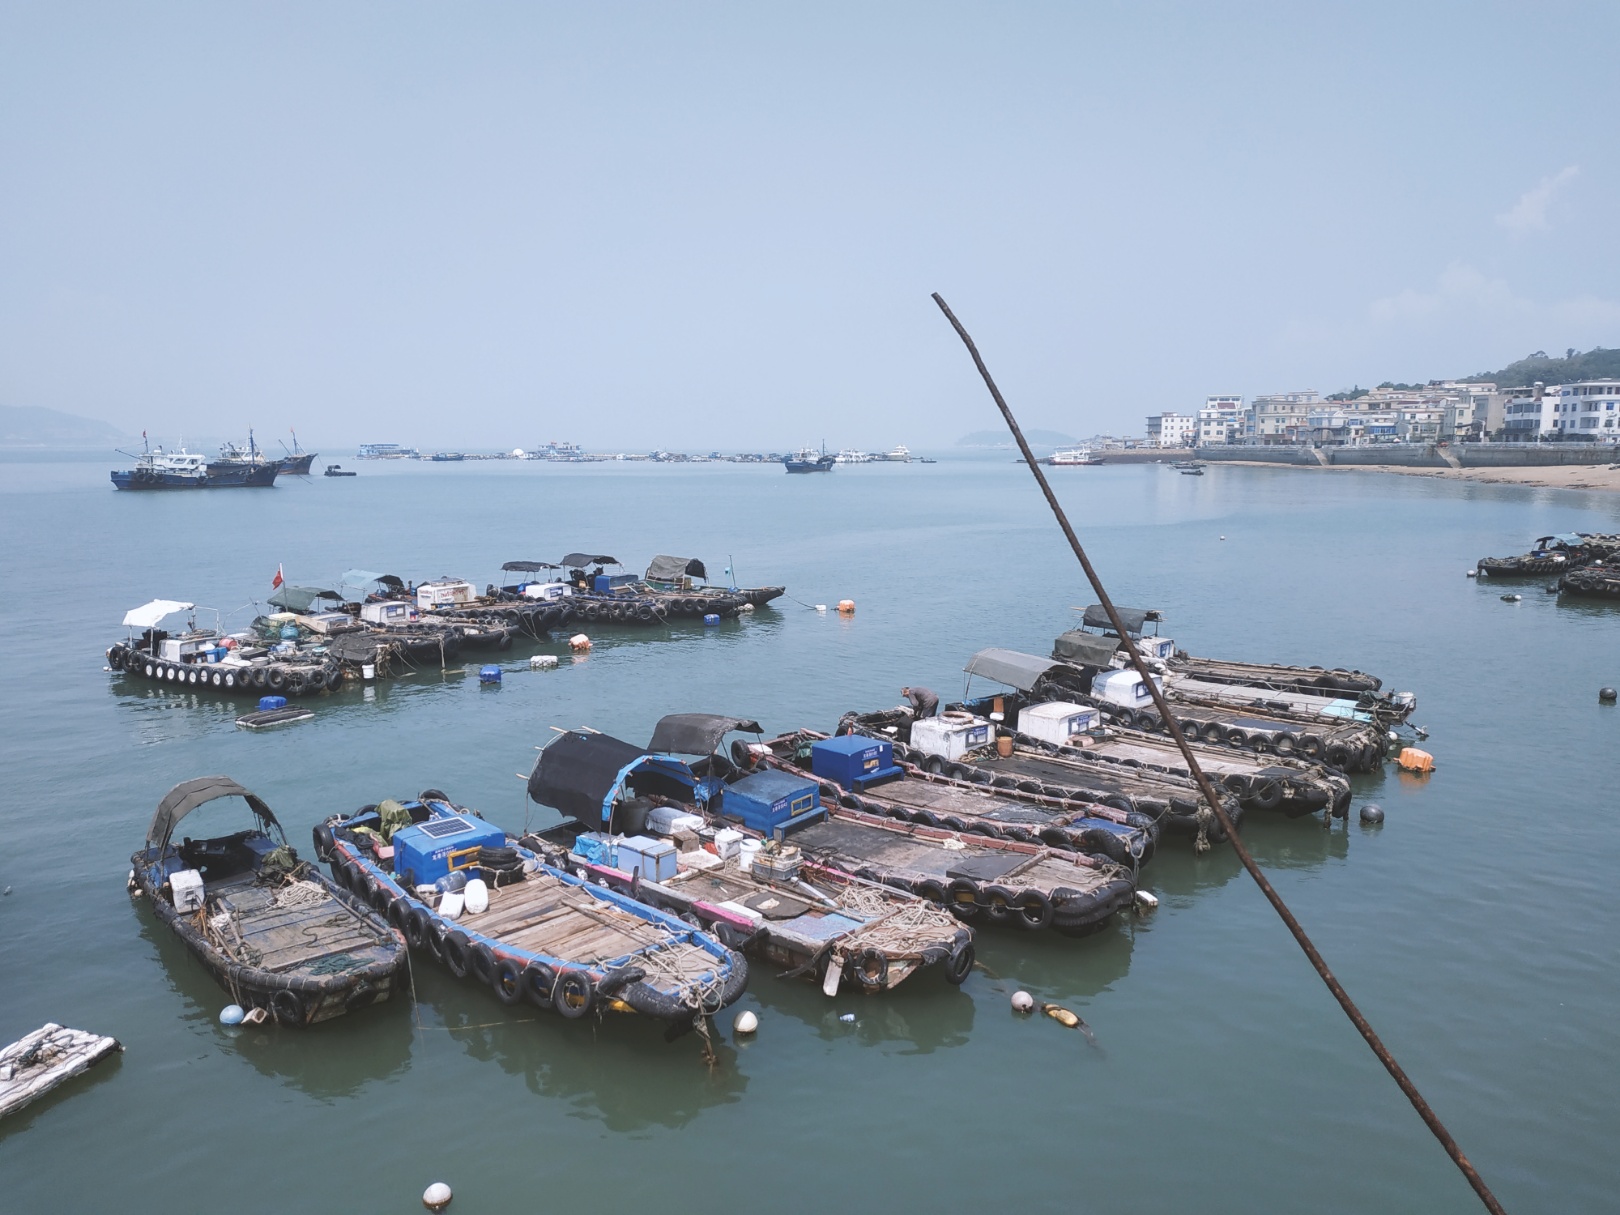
(1477, 927)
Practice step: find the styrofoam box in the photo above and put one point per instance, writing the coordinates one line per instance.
(1056, 722)
(949, 739)
(187, 886)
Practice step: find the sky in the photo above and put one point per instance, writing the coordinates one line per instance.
(718, 225)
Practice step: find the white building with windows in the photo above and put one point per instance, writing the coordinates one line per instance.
(1587, 412)
(1220, 420)
(1171, 429)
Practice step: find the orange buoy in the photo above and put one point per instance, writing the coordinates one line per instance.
(846, 607)
(579, 642)
(1414, 760)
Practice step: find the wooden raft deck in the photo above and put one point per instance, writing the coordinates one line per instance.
(858, 844)
(955, 799)
(1220, 761)
(547, 916)
(282, 939)
(1100, 775)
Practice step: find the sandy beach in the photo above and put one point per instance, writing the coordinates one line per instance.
(1571, 476)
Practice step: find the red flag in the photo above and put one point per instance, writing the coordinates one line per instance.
(276, 581)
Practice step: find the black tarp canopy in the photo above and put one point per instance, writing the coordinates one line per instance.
(300, 598)
(529, 567)
(581, 774)
(1087, 649)
(188, 795)
(672, 569)
(579, 560)
(1132, 618)
(697, 733)
(1016, 670)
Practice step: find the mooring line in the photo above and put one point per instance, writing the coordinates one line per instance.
(1430, 1118)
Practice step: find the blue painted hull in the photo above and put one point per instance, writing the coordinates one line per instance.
(224, 477)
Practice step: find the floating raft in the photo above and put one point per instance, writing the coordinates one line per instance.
(33, 1065)
(264, 718)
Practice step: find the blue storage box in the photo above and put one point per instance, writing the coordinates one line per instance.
(425, 852)
(770, 799)
(596, 849)
(853, 760)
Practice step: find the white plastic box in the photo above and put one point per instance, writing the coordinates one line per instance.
(667, 820)
(1056, 722)
(950, 739)
(187, 886)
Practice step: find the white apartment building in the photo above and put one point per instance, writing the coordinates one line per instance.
(1220, 420)
(1587, 412)
(1171, 429)
(1282, 417)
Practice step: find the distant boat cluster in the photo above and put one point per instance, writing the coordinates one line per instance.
(805, 460)
(234, 468)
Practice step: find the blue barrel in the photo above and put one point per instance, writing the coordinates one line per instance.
(266, 703)
(490, 674)
(711, 619)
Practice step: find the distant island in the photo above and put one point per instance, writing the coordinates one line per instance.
(1002, 438)
(34, 426)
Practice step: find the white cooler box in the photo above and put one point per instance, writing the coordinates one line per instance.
(1054, 723)
(951, 737)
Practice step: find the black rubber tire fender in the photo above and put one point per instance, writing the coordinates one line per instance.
(456, 949)
(538, 980)
(1237, 736)
(287, 1007)
(998, 904)
(1285, 743)
(930, 889)
(506, 977)
(418, 929)
(398, 913)
(257, 677)
(1265, 793)
(573, 995)
(1336, 753)
(959, 963)
(276, 679)
(323, 842)
(1211, 732)
(1034, 910)
(481, 963)
(870, 968)
(962, 899)
(1310, 745)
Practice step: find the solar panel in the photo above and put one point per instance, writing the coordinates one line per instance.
(444, 828)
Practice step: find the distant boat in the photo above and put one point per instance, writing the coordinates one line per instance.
(159, 469)
(297, 462)
(241, 461)
(336, 470)
(896, 455)
(850, 456)
(385, 451)
(444, 457)
(1069, 456)
(808, 460)
(1190, 468)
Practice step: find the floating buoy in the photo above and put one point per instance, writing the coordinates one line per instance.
(542, 662)
(489, 674)
(231, 1014)
(1146, 900)
(746, 1022)
(1606, 696)
(1223, 537)
(1372, 815)
(847, 1018)
(1511, 598)
(475, 897)
(579, 642)
(1473, 573)
(368, 671)
(846, 607)
(1061, 1015)
(821, 607)
(711, 619)
(1023, 1002)
(436, 1197)
(266, 703)
(747, 607)
(1411, 759)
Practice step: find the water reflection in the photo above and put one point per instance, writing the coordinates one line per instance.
(921, 1016)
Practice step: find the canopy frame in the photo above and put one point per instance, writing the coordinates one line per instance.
(191, 794)
(584, 774)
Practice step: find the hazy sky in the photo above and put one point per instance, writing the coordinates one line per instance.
(693, 225)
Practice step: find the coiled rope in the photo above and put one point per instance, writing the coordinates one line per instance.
(1363, 1026)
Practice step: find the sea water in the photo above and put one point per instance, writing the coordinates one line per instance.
(1476, 927)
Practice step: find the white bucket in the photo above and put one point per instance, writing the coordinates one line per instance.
(746, 852)
(368, 670)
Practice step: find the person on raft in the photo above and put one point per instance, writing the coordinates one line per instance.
(923, 702)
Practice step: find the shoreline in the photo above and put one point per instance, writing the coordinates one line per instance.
(1559, 476)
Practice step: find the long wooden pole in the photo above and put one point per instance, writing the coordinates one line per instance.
(1430, 1118)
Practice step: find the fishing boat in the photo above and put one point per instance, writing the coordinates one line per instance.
(899, 454)
(815, 792)
(490, 907)
(1066, 457)
(297, 462)
(269, 927)
(242, 461)
(1191, 470)
(604, 598)
(251, 662)
(337, 470)
(684, 577)
(808, 460)
(628, 811)
(1553, 555)
(159, 469)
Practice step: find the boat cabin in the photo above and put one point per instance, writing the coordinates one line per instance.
(445, 593)
(1124, 688)
(389, 611)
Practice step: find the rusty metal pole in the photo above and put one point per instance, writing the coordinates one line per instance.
(1430, 1118)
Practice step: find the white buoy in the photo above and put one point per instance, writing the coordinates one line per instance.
(821, 607)
(1023, 1002)
(579, 642)
(476, 895)
(847, 1018)
(747, 607)
(543, 662)
(1473, 573)
(746, 1022)
(1146, 900)
(436, 1197)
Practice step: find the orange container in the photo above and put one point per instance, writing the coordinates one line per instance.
(1412, 759)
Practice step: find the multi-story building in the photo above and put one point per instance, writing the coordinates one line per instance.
(1171, 429)
(1583, 412)
(1279, 418)
(1220, 420)
(1524, 417)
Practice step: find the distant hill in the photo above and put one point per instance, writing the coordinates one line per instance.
(1595, 364)
(1002, 438)
(33, 426)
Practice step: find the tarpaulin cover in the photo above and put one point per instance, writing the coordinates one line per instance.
(148, 614)
(577, 560)
(670, 569)
(1016, 670)
(1132, 618)
(1087, 649)
(529, 567)
(188, 795)
(697, 733)
(579, 774)
(299, 598)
